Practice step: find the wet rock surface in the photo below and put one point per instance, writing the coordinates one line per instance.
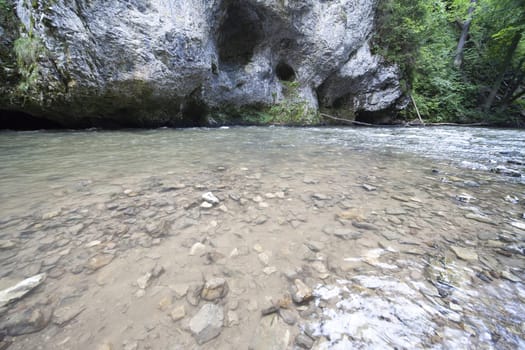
(415, 272)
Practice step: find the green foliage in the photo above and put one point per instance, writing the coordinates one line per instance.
(4, 7)
(7, 16)
(399, 32)
(421, 37)
(28, 50)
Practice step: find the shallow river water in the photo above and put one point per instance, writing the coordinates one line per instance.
(263, 238)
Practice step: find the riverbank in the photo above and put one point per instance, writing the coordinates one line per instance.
(261, 237)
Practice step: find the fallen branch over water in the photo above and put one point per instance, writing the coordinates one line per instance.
(447, 124)
(418, 123)
(354, 122)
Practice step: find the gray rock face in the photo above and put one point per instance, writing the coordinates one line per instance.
(176, 62)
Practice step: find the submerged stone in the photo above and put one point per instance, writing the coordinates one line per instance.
(464, 253)
(20, 289)
(207, 323)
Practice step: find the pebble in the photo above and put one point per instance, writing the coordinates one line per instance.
(351, 214)
(194, 293)
(210, 198)
(369, 188)
(309, 181)
(269, 310)
(518, 224)
(51, 215)
(264, 258)
(215, 288)
(347, 234)
(180, 290)
(7, 244)
(178, 313)
(500, 169)
(485, 235)
(144, 280)
(395, 211)
(197, 249)
(207, 323)
(455, 307)
(512, 199)
(301, 293)
(320, 197)
(270, 270)
(130, 345)
(314, 246)
(65, 314)
(99, 261)
(465, 198)
(364, 226)
(303, 341)
(105, 346)
(165, 303)
(26, 321)
(510, 277)
(261, 219)
(288, 316)
(400, 198)
(480, 218)
(464, 253)
(206, 205)
(233, 318)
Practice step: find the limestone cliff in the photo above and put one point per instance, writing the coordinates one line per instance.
(191, 62)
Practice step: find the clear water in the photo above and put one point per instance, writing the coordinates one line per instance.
(53, 180)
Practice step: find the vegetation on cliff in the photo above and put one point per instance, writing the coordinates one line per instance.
(463, 59)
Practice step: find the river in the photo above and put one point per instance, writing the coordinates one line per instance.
(342, 237)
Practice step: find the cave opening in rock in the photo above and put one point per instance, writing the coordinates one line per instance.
(374, 117)
(285, 72)
(239, 33)
(193, 114)
(15, 120)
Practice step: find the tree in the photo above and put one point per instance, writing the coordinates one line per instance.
(465, 26)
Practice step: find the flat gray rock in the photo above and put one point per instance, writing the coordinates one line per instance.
(207, 323)
(20, 289)
(465, 253)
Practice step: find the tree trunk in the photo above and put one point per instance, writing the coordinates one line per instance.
(514, 85)
(458, 60)
(506, 63)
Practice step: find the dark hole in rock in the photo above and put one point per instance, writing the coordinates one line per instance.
(339, 102)
(239, 33)
(285, 72)
(377, 117)
(193, 114)
(15, 120)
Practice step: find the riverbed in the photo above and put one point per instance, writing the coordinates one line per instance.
(264, 238)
